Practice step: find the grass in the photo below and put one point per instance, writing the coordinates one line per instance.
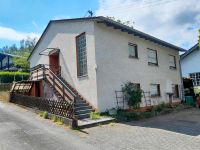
(95, 115)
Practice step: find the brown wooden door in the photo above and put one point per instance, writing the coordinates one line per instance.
(54, 63)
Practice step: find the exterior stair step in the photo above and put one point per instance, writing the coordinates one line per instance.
(84, 111)
(82, 107)
(82, 116)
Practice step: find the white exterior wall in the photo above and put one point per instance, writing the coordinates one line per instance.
(62, 35)
(114, 67)
(190, 64)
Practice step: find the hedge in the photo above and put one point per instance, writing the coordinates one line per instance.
(9, 77)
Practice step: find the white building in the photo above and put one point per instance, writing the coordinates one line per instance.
(97, 55)
(190, 64)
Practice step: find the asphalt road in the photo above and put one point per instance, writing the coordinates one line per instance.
(24, 130)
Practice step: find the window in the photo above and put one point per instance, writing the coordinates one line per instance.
(155, 90)
(175, 90)
(133, 52)
(152, 57)
(172, 62)
(81, 55)
(195, 78)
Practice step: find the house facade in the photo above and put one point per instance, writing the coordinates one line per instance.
(190, 64)
(96, 56)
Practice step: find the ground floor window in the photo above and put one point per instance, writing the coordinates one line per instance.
(195, 78)
(175, 90)
(155, 90)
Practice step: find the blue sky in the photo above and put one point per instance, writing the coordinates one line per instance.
(32, 16)
(175, 21)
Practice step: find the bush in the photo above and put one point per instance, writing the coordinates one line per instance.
(45, 115)
(94, 115)
(9, 77)
(133, 94)
(54, 118)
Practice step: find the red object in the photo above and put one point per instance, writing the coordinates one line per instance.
(198, 101)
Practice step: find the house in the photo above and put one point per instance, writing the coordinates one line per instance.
(190, 64)
(6, 62)
(94, 56)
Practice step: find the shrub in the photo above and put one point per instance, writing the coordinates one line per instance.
(9, 77)
(59, 121)
(133, 94)
(45, 115)
(54, 118)
(94, 115)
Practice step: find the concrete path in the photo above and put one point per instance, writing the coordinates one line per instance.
(24, 130)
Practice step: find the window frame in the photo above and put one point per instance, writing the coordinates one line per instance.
(79, 75)
(136, 50)
(172, 67)
(158, 90)
(151, 63)
(176, 89)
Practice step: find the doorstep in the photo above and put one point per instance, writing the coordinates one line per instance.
(87, 122)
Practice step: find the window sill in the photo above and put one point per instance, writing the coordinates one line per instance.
(83, 76)
(133, 57)
(152, 64)
(155, 96)
(172, 68)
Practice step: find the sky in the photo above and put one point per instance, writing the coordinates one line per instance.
(175, 21)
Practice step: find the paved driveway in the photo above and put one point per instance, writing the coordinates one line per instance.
(21, 129)
(24, 130)
(176, 131)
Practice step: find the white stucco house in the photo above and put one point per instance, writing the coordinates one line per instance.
(190, 64)
(96, 55)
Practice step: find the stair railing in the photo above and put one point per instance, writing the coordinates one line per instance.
(42, 72)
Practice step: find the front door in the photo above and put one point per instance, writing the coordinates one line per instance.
(54, 63)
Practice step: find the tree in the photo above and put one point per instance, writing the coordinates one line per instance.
(127, 23)
(26, 46)
(24, 50)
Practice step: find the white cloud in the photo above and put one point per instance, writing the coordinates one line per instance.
(13, 35)
(175, 21)
(61, 17)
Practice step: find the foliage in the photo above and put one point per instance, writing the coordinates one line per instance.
(9, 77)
(197, 90)
(153, 111)
(127, 23)
(133, 94)
(26, 46)
(59, 121)
(94, 115)
(54, 118)
(43, 114)
(199, 38)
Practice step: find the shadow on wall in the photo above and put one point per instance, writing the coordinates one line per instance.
(185, 122)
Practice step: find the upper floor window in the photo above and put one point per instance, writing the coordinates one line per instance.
(172, 62)
(81, 55)
(155, 90)
(195, 78)
(133, 52)
(152, 57)
(175, 90)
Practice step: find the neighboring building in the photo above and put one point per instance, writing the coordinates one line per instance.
(190, 64)
(97, 55)
(6, 62)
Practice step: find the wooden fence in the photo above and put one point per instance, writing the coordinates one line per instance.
(61, 108)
